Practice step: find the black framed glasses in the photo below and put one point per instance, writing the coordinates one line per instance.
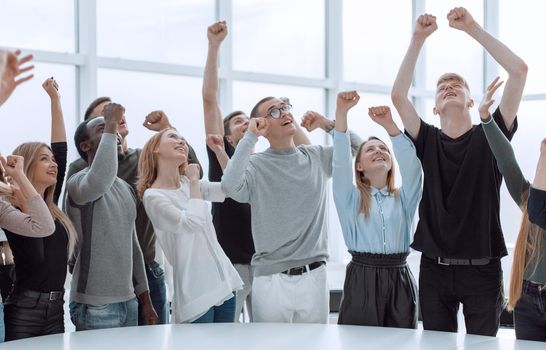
(277, 112)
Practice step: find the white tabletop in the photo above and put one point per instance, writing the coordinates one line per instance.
(267, 336)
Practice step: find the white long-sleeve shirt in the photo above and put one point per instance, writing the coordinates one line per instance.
(203, 274)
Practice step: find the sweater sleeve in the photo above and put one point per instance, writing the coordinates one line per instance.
(537, 207)
(86, 187)
(139, 273)
(166, 217)
(506, 160)
(37, 223)
(237, 180)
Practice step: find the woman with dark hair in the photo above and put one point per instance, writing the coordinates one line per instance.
(175, 199)
(35, 305)
(529, 265)
(376, 219)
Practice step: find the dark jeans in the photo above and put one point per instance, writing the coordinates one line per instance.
(530, 313)
(158, 292)
(478, 288)
(30, 316)
(224, 313)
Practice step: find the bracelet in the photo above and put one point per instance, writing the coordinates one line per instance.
(330, 127)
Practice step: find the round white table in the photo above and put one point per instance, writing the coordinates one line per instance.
(266, 336)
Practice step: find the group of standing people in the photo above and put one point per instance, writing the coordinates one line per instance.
(265, 241)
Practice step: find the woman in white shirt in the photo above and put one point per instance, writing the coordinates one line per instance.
(175, 201)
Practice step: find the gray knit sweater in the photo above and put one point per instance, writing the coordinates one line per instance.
(109, 267)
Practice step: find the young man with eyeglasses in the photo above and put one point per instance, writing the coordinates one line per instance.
(231, 219)
(459, 232)
(286, 188)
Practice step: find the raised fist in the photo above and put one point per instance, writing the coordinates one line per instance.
(258, 126)
(217, 32)
(460, 18)
(113, 113)
(13, 165)
(192, 172)
(312, 120)
(215, 142)
(425, 25)
(156, 121)
(346, 100)
(51, 87)
(381, 115)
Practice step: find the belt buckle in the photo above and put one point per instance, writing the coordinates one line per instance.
(440, 262)
(56, 295)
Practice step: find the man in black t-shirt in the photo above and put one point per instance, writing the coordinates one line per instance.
(459, 231)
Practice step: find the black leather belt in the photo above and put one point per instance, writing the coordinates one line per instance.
(296, 271)
(50, 296)
(451, 261)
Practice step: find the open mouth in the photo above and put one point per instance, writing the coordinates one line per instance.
(287, 122)
(450, 94)
(379, 159)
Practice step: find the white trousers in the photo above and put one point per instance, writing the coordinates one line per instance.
(291, 299)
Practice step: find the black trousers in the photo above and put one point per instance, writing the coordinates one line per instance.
(30, 316)
(478, 288)
(530, 313)
(379, 290)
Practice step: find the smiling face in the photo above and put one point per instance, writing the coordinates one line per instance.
(451, 91)
(44, 168)
(172, 148)
(374, 156)
(281, 127)
(236, 128)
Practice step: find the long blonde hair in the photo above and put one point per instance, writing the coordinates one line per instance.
(527, 253)
(31, 151)
(147, 164)
(363, 184)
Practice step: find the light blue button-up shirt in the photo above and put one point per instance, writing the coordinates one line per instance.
(388, 229)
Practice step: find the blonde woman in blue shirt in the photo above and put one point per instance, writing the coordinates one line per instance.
(376, 219)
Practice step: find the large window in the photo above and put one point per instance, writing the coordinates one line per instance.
(150, 55)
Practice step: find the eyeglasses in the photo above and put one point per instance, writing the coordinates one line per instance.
(277, 112)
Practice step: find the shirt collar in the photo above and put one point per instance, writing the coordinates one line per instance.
(384, 191)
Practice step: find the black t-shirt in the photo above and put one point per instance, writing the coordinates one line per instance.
(459, 211)
(40, 263)
(231, 219)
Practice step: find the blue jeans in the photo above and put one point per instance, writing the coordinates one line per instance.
(85, 316)
(158, 292)
(2, 328)
(530, 313)
(224, 313)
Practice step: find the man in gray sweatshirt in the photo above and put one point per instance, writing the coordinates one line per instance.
(109, 268)
(286, 188)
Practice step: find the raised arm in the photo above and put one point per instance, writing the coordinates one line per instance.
(460, 18)
(237, 181)
(58, 131)
(216, 144)
(216, 33)
(88, 187)
(540, 176)
(501, 147)
(11, 68)
(342, 173)
(37, 221)
(312, 120)
(537, 196)
(425, 26)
